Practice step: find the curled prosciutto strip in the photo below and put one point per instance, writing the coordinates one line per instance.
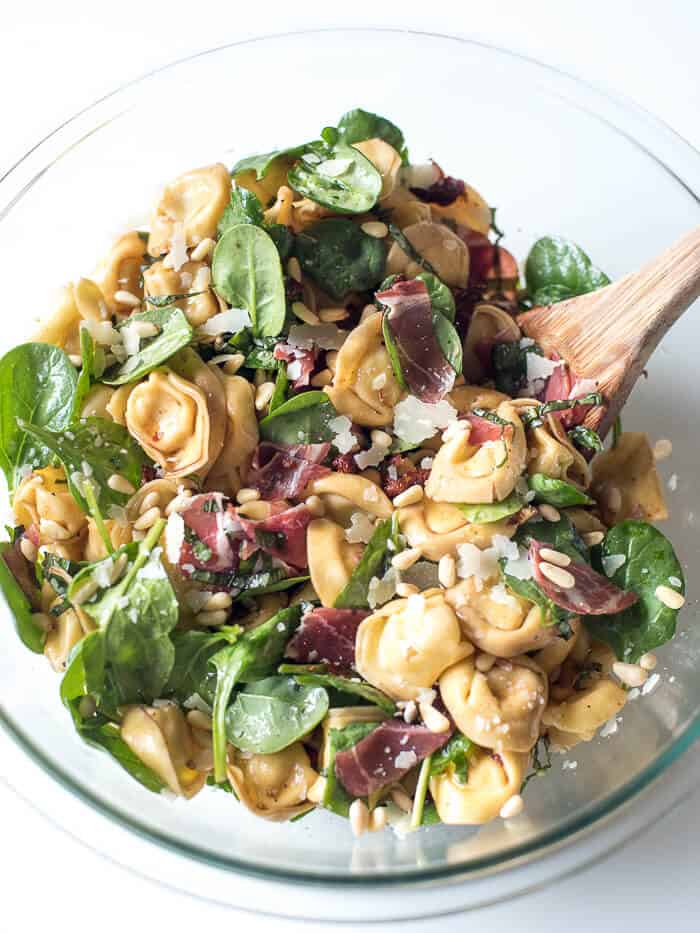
(385, 755)
(484, 430)
(562, 385)
(282, 471)
(410, 321)
(282, 535)
(327, 636)
(300, 362)
(591, 593)
(210, 534)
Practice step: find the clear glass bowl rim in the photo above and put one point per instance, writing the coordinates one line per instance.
(685, 170)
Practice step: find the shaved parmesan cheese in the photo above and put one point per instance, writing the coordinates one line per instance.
(325, 336)
(499, 594)
(177, 257)
(583, 387)
(174, 536)
(294, 370)
(405, 760)
(504, 547)
(520, 567)
(102, 332)
(372, 457)
(612, 563)
(102, 574)
(473, 562)
(539, 367)
(381, 590)
(361, 528)
(131, 340)
(415, 421)
(344, 440)
(227, 322)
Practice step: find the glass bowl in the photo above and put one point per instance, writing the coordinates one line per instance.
(555, 156)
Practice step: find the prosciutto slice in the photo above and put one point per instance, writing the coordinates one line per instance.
(211, 534)
(301, 363)
(327, 636)
(282, 535)
(410, 321)
(282, 471)
(483, 430)
(489, 264)
(591, 594)
(385, 755)
(563, 385)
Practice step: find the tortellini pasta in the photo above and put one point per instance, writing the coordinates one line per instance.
(331, 557)
(178, 416)
(120, 270)
(358, 491)
(501, 708)
(468, 473)
(578, 718)
(165, 490)
(240, 439)
(43, 500)
(438, 528)
(96, 403)
(192, 277)
(492, 780)
(62, 328)
(191, 206)
(630, 467)
(487, 323)
(275, 786)
(438, 245)
(406, 208)
(386, 160)
(469, 209)
(364, 386)
(405, 646)
(63, 637)
(162, 738)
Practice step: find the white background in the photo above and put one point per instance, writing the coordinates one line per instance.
(56, 58)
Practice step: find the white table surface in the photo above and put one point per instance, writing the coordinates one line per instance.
(56, 58)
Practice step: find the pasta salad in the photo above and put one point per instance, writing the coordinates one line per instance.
(300, 515)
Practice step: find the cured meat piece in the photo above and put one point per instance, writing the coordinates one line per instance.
(327, 636)
(282, 535)
(283, 471)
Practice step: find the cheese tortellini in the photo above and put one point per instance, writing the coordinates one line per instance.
(487, 322)
(630, 467)
(191, 277)
(331, 557)
(438, 528)
(578, 718)
(240, 438)
(468, 473)
(275, 786)
(438, 245)
(43, 500)
(491, 781)
(190, 206)
(405, 646)
(501, 708)
(364, 386)
(120, 270)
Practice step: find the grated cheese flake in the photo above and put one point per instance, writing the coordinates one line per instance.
(344, 440)
(174, 536)
(612, 563)
(231, 321)
(415, 421)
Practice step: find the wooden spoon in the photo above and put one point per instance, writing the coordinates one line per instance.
(609, 335)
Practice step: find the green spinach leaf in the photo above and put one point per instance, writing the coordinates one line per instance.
(30, 634)
(556, 269)
(271, 714)
(246, 271)
(355, 126)
(650, 561)
(261, 164)
(244, 207)
(340, 178)
(302, 419)
(376, 559)
(557, 492)
(279, 396)
(316, 675)
(340, 257)
(174, 333)
(192, 673)
(485, 513)
(457, 753)
(93, 365)
(283, 238)
(37, 387)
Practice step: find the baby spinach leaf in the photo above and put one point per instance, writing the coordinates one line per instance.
(243, 207)
(510, 366)
(449, 340)
(174, 333)
(556, 269)
(317, 675)
(340, 257)
(97, 729)
(560, 536)
(341, 179)
(279, 396)
(93, 365)
(556, 492)
(283, 238)
(335, 797)
(551, 614)
(37, 386)
(382, 546)
(355, 126)
(255, 655)
(441, 297)
(192, 673)
(30, 634)
(393, 351)
(302, 419)
(260, 164)
(586, 438)
(485, 513)
(271, 714)
(260, 353)
(246, 271)
(457, 752)
(650, 561)
(110, 449)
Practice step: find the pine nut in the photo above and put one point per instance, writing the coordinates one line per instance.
(408, 497)
(332, 359)
(670, 598)
(410, 711)
(305, 314)
(143, 329)
(404, 590)
(375, 228)
(613, 498)
(378, 819)
(549, 513)
(199, 720)
(401, 799)
(127, 298)
(76, 360)
(28, 549)
(555, 557)
(315, 505)
(591, 538)
(149, 500)
(54, 530)
(662, 449)
(447, 571)
(433, 718)
(512, 807)
(405, 559)
(202, 250)
(631, 674)
(322, 378)
(233, 363)
(43, 620)
(178, 503)
(484, 662)
(558, 575)
(317, 790)
(367, 311)
(263, 395)
(294, 269)
(148, 519)
(118, 568)
(359, 817)
(217, 617)
(86, 591)
(246, 494)
(218, 601)
(380, 438)
(331, 315)
(120, 483)
(648, 661)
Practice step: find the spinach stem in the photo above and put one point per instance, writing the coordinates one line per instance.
(91, 499)
(420, 794)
